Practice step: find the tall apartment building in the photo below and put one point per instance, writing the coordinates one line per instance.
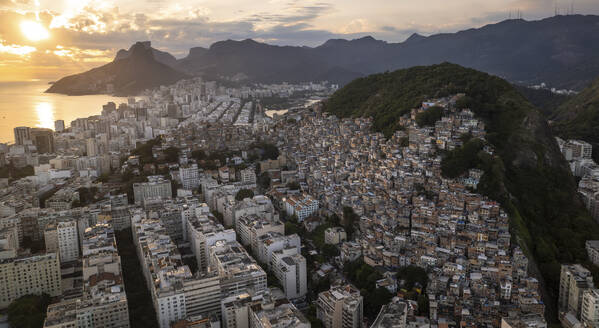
(68, 241)
(259, 205)
(31, 275)
(274, 241)
(59, 125)
(279, 313)
(51, 238)
(340, 307)
(574, 279)
(189, 176)
(237, 270)
(43, 139)
(156, 187)
(525, 321)
(103, 303)
(203, 233)
(22, 135)
(592, 247)
(250, 227)
(577, 149)
(63, 239)
(290, 270)
(91, 147)
(176, 292)
(589, 313)
(235, 309)
(247, 175)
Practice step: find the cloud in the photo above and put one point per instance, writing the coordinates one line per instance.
(89, 32)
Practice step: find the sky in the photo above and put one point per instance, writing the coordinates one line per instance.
(48, 39)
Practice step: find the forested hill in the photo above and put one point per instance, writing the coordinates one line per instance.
(578, 118)
(531, 178)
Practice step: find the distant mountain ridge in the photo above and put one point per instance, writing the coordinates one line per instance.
(560, 51)
(131, 72)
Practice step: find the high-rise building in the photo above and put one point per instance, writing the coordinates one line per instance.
(59, 125)
(22, 135)
(91, 147)
(277, 314)
(68, 241)
(103, 302)
(237, 269)
(31, 275)
(176, 292)
(250, 227)
(340, 307)
(290, 270)
(275, 241)
(574, 279)
(203, 233)
(589, 313)
(190, 176)
(43, 139)
(156, 187)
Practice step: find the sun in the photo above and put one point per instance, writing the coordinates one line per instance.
(34, 31)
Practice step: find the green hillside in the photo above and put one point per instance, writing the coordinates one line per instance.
(532, 180)
(578, 118)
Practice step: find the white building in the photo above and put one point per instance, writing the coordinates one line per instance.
(275, 241)
(203, 233)
(589, 314)
(290, 270)
(301, 206)
(68, 241)
(189, 176)
(237, 269)
(249, 228)
(156, 187)
(592, 247)
(248, 175)
(340, 307)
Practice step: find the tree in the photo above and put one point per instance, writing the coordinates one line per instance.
(429, 116)
(293, 185)
(264, 180)
(171, 154)
(198, 155)
(412, 275)
(330, 251)
(243, 194)
(28, 311)
(350, 219)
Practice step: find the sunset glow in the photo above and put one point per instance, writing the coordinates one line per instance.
(34, 31)
(48, 39)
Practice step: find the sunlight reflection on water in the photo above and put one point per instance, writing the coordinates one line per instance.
(45, 115)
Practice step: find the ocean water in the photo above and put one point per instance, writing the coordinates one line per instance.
(26, 104)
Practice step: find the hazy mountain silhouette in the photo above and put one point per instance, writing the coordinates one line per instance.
(560, 51)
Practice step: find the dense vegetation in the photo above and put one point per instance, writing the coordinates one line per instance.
(527, 175)
(545, 100)
(28, 311)
(364, 277)
(429, 117)
(462, 159)
(243, 194)
(14, 173)
(578, 118)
